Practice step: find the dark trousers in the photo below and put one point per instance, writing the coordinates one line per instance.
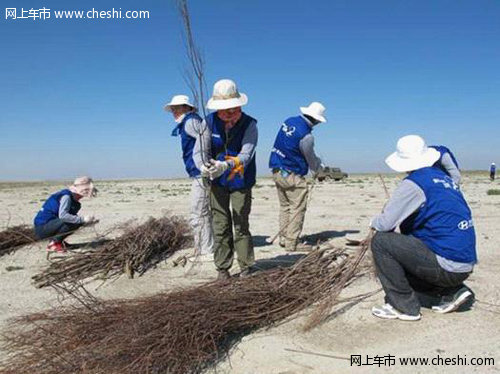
(406, 267)
(56, 229)
(231, 208)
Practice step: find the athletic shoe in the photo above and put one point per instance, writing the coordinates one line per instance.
(67, 245)
(301, 247)
(246, 272)
(387, 311)
(223, 275)
(55, 246)
(451, 303)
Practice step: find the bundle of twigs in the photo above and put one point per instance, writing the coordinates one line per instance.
(137, 250)
(178, 332)
(15, 237)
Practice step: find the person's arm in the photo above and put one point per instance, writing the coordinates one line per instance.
(201, 150)
(405, 200)
(306, 146)
(249, 143)
(64, 214)
(451, 168)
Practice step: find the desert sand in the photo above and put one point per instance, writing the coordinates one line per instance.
(336, 209)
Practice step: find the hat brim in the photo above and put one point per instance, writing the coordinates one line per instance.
(168, 107)
(86, 190)
(227, 103)
(400, 164)
(316, 116)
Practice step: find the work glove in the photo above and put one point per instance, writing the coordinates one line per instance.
(217, 169)
(205, 171)
(89, 219)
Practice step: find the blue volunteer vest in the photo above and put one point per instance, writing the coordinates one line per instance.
(444, 222)
(442, 150)
(187, 143)
(50, 209)
(493, 168)
(286, 152)
(230, 145)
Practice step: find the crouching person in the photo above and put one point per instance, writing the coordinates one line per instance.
(436, 250)
(58, 217)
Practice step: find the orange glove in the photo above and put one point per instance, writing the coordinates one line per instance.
(237, 169)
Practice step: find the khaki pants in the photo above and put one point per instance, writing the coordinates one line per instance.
(231, 208)
(292, 196)
(201, 217)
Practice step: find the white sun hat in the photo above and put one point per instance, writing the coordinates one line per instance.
(412, 153)
(178, 100)
(84, 186)
(226, 96)
(315, 110)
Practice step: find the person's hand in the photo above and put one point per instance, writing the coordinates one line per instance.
(205, 171)
(89, 219)
(369, 237)
(217, 169)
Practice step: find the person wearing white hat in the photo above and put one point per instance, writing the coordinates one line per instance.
(233, 172)
(58, 217)
(493, 169)
(436, 249)
(195, 143)
(291, 158)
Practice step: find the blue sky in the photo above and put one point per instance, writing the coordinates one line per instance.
(85, 96)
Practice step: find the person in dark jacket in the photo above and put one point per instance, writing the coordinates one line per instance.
(59, 217)
(233, 172)
(436, 249)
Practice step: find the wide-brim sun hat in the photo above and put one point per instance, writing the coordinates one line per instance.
(178, 100)
(84, 186)
(315, 110)
(411, 154)
(226, 96)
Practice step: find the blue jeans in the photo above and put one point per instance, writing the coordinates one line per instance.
(56, 229)
(406, 267)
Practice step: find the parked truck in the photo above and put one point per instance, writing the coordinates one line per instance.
(329, 173)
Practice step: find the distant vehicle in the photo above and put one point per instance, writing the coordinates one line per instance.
(329, 173)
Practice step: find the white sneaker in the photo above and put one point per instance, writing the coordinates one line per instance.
(387, 311)
(459, 298)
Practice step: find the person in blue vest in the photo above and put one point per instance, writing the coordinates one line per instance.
(447, 162)
(436, 249)
(233, 172)
(291, 158)
(195, 142)
(59, 217)
(493, 169)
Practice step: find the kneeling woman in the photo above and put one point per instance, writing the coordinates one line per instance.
(58, 217)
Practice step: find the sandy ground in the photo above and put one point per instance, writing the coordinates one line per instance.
(336, 209)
